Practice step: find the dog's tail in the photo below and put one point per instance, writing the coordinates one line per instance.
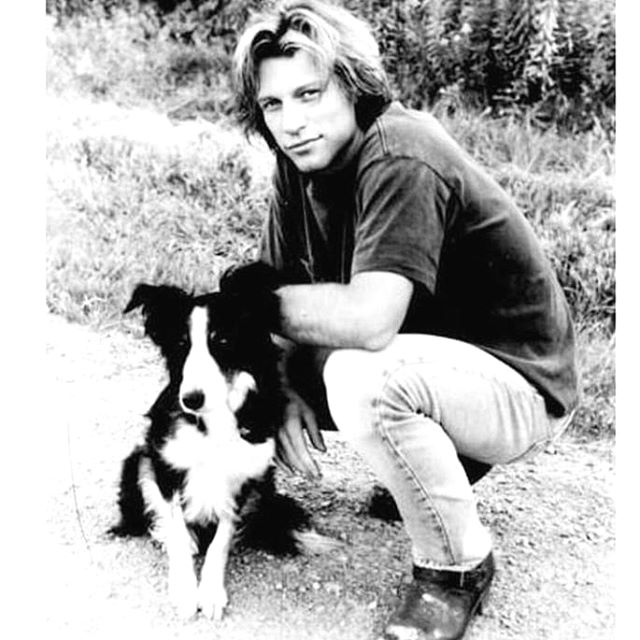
(278, 524)
(134, 519)
(310, 541)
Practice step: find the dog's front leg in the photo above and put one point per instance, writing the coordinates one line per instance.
(212, 592)
(170, 530)
(183, 584)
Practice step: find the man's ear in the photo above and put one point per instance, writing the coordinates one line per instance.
(160, 306)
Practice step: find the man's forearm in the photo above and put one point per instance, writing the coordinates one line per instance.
(320, 315)
(365, 314)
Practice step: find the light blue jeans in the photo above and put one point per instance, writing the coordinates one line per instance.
(411, 408)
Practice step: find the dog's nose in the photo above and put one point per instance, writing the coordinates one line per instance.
(194, 400)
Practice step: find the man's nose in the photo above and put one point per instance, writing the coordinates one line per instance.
(293, 117)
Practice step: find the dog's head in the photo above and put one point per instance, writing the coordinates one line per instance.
(217, 346)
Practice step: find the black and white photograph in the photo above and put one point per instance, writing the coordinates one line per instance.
(329, 321)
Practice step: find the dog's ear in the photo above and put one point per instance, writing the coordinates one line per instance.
(251, 288)
(160, 307)
(151, 297)
(142, 296)
(251, 277)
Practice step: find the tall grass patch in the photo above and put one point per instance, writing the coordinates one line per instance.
(133, 59)
(130, 211)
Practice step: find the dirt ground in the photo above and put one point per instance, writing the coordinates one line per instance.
(552, 521)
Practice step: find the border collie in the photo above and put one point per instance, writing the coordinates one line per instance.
(204, 477)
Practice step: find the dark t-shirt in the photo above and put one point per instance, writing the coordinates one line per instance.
(408, 200)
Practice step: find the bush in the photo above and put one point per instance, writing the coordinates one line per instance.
(556, 59)
(502, 54)
(63, 10)
(133, 59)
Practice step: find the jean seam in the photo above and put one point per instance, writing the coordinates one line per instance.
(404, 465)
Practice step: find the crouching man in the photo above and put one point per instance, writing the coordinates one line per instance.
(440, 334)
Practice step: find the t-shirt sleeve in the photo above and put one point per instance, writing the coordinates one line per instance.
(402, 207)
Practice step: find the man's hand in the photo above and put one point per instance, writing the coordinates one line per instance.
(292, 450)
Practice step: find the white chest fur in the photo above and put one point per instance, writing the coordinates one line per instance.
(217, 465)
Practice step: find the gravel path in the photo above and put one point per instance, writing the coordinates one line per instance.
(552, 520)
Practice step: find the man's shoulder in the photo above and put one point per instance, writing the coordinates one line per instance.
(401, 120)
(400, 132)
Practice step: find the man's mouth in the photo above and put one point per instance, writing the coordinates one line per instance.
(303, 144)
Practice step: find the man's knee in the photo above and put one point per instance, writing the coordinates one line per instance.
(352, 382)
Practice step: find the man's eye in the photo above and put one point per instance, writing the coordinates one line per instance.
(310, 94)
(269, 106)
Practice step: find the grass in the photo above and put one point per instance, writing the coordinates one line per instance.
(133, 196)
(132, 211)
(130, 59)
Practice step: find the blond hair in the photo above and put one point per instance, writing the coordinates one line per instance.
(339, 43)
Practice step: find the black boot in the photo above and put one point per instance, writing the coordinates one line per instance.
(440, 604)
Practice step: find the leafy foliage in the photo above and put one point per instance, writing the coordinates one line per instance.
(557, 56)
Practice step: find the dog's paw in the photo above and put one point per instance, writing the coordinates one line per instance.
(212, 600)
(183, 592)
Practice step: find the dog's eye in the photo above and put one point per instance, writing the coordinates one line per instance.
(218, 340)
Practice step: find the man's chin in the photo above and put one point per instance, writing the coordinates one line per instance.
(308, 165)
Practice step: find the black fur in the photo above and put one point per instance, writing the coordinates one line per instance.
(134, 519)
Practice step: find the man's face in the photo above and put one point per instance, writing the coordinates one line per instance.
(309, 116)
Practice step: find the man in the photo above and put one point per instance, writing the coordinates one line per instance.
(420, 291)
